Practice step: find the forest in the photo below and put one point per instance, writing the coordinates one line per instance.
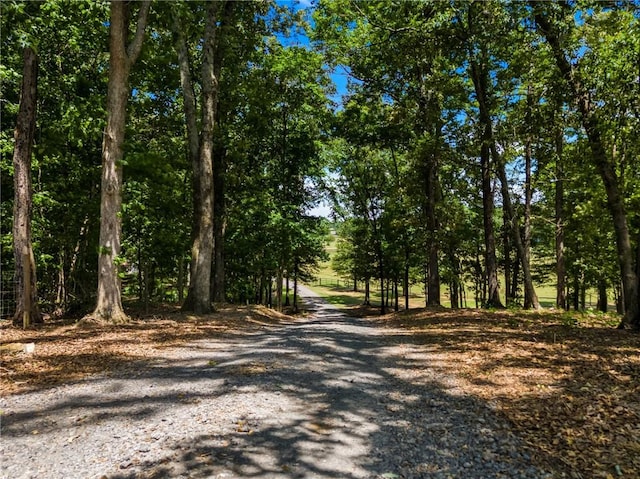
(175, 151)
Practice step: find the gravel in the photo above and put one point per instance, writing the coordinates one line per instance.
(323, 397)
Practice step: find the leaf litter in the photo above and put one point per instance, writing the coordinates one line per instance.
(570, 390)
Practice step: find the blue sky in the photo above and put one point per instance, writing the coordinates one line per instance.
(339, 76)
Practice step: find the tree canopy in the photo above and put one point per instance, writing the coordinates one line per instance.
(481, 149)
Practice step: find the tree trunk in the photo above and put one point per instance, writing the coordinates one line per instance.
(27, 309)
(602, 296)
(407, 287)
(605, 167)
(433, 280)
(456, 298)
(531, 298)
(191, 122)
(481, 82)
(396, 303)
(515, 276)
(561, 271)
(279, 280)
(509, 295)
(295, 288)
(220, 226)
(576, 292)
(121, 58)
(286, 296)
(61, 293)
(180, 283)
(367, 286)
(383, 309)
(479, 76)
(199, 295)
(430, 114)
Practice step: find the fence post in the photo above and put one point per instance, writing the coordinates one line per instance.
(26, 274)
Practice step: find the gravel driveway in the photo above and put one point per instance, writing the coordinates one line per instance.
(323, 397)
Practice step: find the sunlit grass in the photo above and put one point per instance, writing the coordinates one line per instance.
(333, 288)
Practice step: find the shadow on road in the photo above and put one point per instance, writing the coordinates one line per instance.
(320, 398)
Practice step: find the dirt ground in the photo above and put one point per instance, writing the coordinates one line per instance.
(569, 385)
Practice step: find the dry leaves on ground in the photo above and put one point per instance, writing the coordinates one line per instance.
(572, 391)
(570, 387)
(66, 352)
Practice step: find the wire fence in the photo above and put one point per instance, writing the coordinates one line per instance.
(7, 295)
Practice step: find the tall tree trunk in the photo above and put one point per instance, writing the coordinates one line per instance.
(279, 281)
(480, 82)
(121, 59)
(561, 270)
(456, 298)
(509, 295)
(25, 268)
(367, 286)
(295, 288)
(576, 291)
(407, 287)
(605, 167)
(199, 295)
(433, 280)
(529, 290)
(396, 304)
(220, 226)
(180, 282)
(515, 275)
(602, 296)
(430, 115)
(191, 122)
(383, 308)
(287, 289)
(530, 298)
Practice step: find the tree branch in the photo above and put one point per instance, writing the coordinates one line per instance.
(133, 51)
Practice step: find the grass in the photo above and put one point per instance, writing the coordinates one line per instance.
(337, 290)
(346, 297)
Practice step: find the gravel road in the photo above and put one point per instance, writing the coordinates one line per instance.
(323, 397)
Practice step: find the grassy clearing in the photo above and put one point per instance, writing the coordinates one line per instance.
(346, 297)
(330, 285)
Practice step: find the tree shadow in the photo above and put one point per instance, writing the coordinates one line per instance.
(572, 393)
(320, 398)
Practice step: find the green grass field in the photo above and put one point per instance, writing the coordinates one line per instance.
(338, 290)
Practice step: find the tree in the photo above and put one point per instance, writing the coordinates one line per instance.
(25, 269)
(479, 59)
(202, 252)
(549, 26)
(121, 58)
